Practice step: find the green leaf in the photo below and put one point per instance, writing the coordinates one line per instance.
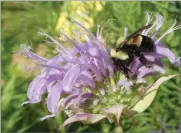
(150, 94)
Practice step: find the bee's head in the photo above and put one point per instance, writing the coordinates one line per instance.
(118, 49)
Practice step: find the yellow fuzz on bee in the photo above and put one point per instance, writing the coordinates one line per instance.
(120, 55)
(135, 41)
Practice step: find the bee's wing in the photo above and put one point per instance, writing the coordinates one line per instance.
(135, 34)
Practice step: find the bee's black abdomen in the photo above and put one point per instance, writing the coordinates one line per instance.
(147, 44)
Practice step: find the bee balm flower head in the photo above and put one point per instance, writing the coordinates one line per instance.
(84, 83)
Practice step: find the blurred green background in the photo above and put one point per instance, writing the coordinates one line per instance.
(22, 20)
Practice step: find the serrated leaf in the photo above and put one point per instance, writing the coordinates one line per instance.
(149, 96)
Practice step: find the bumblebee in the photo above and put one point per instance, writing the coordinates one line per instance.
(134, 45)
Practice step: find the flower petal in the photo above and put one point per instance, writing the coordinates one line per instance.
(52, 78)
(144, 71)
(82, 98)
(46, 117)
(27, 52)
(125, 83)
(80, 25)
(67, 100)
(36, 89)
(85, 80)
(64, 50)
(169, 54)
(96, 71)
(70, 78)
(93, 51)
(24, 103)
(53, 97)
(100, 64)
(55, 61)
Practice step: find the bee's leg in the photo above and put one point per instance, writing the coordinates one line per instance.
(141, 56)
(126, 71)
(131, 56)
(143, 60)
(122, 65)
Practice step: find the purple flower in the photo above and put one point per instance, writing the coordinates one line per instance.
(92, 65)
(84, 83)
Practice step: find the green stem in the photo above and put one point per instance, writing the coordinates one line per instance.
(119, 129)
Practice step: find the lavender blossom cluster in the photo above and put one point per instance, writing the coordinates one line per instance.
(83, 82)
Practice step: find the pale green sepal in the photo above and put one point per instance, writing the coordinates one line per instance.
(150, 94)
(84, 117)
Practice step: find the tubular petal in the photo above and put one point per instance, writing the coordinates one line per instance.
(144, 71)
(70, 78)
(85, 80)
(54, 41)
(36, 89)
(53, 97)
(96, 71)
(166, 52)
(46, 117)
(68, 100)
(90, 33)
(81, 99)
(27, 52)
(24, 103)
